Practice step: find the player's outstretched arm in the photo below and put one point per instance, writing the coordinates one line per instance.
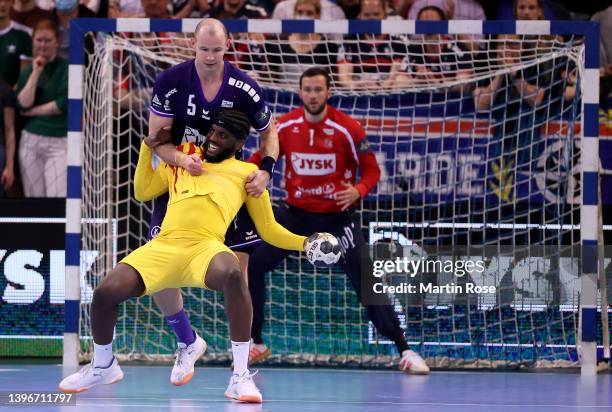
(269, 229)
(149, 183)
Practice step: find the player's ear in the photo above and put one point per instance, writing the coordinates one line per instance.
(239, 144)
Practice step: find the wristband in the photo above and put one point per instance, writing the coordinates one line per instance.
(267, 164)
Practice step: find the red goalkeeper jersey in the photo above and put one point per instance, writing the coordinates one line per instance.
(319, 157)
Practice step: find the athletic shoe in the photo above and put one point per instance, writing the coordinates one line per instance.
(186, 357)
(412, 362)
(90, 376)
(258, 353)
(243, 389)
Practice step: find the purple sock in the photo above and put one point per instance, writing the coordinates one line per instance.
(182, 328)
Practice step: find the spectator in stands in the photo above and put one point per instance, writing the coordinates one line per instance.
(157, 9)
(288, 60)
(403, 7)
(7, 137)
(365, 60)
(433, 59)
(531, 10)
(452, 9)
(329, 11)
(604, 18)
(246, 49)
(28, 13)
(504, 94)
(65, 10)
(16, 44)
(202, 9)
(42, 98)
(125, 8)
(350, 8)
(238, 9)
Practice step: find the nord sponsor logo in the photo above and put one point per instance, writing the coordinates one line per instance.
(310, 164)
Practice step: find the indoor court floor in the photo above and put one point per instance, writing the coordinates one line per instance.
(147, 388)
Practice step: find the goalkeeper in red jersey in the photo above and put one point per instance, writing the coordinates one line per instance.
(324, 148)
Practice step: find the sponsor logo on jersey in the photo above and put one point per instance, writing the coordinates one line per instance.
(327, 191)
(167, 105)
(250, 235)
(170, 93)
(192, 135)
(295, 129)
(348, 174)
(156, 100)
(244, 86)
(12, 48)
(312, 164)
(227, 104)
(328, 143)
(206, 114)
(328, 131)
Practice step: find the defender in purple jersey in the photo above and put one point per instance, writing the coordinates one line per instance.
(184, 101)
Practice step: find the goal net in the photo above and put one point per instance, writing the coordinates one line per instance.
(478, 138)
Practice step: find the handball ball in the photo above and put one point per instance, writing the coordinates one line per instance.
(323, 249)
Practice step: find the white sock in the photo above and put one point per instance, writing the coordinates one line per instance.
(240, 350)
(103, 355)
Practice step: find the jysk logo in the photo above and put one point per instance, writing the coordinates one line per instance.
(311, 164)
(227, 104)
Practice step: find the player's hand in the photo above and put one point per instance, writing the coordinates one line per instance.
(192, 164)
(7, 178)
(348, 196)
(257, 182)
(162, 136)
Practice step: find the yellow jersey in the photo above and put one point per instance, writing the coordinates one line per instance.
(205, 205)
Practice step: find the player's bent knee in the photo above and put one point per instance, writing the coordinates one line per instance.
(234, 278)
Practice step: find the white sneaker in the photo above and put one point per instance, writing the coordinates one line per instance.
(243, 389)
(186, 357)
(412, 362)
(89, 376)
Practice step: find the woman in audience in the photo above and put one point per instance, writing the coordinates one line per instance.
(288, 59)
(42, 94)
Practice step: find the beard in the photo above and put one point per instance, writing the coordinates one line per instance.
(317, 110)
(223, 155)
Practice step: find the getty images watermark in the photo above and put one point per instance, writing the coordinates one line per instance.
(410, 267)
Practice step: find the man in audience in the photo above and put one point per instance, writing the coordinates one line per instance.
(15, 45)
(66, 10)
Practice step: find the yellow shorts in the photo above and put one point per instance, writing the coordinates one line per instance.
(174, 263)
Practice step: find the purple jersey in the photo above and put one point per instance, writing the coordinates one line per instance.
(178, 94)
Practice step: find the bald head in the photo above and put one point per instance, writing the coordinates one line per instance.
(212, 27)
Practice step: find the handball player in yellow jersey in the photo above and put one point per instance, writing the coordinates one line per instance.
(189, 250)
